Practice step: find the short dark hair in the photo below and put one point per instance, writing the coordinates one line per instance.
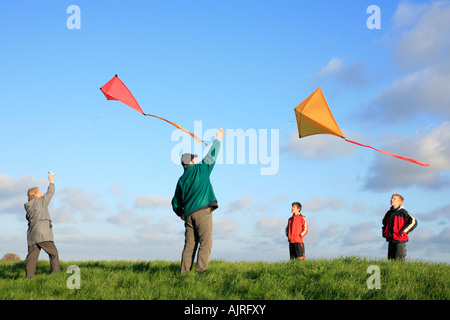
(297, 204)
(185, 165)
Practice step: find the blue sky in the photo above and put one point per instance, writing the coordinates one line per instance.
(243, 66)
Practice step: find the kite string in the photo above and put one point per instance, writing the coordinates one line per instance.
(390, 154)
(79, 138)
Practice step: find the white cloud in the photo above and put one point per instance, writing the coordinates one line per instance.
(79, 200)
(68, 230)
(421, 55)
(407, 14)
(247, 204)
(13, 192)
(151, 202)
(442, 212)
(334, 66)
(426, 42)
(239, 204)
(361, 233)
(71, 203)
(270, 227)
(13, 205)
(61, 214)
(319, 203)
(444, 238)
(434, 244)
(116, 189)
(358, 207)
(89, 218)
(224, 228)
(12, 187)
(120, 218)
(152, 229)
(387, 172)
(81, 247)
(350, 75)
(317, 147)
(422, 91)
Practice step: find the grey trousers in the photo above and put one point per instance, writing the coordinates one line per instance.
(198, 231)
(33, 255)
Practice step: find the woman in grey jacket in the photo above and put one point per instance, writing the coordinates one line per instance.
(40, 232)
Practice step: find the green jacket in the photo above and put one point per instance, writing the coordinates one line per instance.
(194, 190)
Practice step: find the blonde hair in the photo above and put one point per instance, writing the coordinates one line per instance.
(32, 193)
(396, 194)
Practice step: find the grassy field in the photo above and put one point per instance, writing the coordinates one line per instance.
(337, 279)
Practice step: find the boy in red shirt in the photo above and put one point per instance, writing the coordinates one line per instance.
(296, 230)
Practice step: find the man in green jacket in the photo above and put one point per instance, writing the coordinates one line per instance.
(193, 202)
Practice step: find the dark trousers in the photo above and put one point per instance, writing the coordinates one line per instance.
(397, 250)
(297, 251)
(198, 230)
(33, 255)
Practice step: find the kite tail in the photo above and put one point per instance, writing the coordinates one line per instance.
(391, 154)
(179, 127)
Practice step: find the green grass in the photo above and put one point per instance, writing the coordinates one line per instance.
(337, 279)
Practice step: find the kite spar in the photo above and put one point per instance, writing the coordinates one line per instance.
(314, 117)
(115, 89)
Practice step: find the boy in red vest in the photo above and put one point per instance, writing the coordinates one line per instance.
(296, 230)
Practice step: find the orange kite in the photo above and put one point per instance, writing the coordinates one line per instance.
(115, 89)
(314, 117)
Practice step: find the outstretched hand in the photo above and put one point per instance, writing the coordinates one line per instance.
(220, 134)
(50, 177)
